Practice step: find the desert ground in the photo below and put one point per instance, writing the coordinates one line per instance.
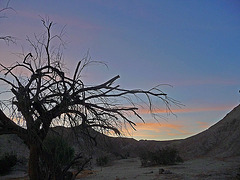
(202, 168)
(207, 168)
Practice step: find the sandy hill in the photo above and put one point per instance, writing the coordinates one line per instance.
(220, 140)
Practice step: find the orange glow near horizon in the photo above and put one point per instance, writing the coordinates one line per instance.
(176, 129)
(156, 127)
(156, 130)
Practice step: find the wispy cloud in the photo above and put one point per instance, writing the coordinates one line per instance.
(158, 127)
(158, 131)
(187, 110)
(176, 135)
(203, 124)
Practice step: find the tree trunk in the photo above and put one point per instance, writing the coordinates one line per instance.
(33, 166)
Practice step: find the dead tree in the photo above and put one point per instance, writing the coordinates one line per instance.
(43, 95)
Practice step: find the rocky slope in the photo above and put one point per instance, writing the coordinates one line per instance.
(220, 140)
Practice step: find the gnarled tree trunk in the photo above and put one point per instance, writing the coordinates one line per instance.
(33, 166)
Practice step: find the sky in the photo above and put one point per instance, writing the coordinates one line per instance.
(192, 45)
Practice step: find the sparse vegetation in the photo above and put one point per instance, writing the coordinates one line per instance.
(121, 155)
(238, 174)
(102, 161)
(7, 161)
(165, 156)
(61, 152)
(57, 154)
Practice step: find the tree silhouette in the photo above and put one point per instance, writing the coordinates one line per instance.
(43, 95)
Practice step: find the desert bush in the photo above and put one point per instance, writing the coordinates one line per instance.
(57, 154)
(7, 161)
(59, 150)
(102, 161)
(238, 174)
(121, 155)
(165, 156)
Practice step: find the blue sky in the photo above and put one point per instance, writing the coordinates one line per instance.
(192, 45)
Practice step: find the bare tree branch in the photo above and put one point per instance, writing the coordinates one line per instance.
(47, 95)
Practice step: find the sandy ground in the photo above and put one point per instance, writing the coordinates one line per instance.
(203, 168)
(128, 169)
